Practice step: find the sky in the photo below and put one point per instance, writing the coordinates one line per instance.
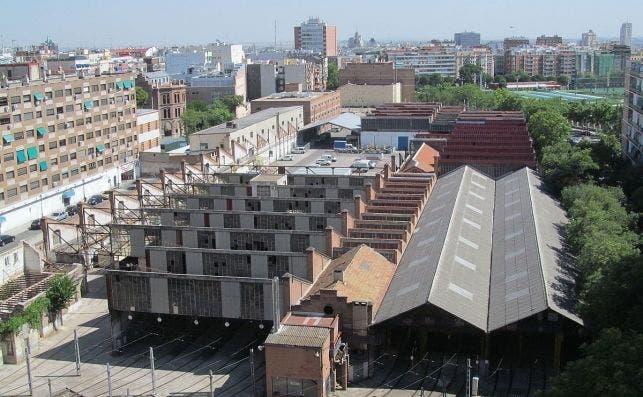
(99, 23)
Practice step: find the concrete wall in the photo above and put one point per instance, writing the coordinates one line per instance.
(384, 138)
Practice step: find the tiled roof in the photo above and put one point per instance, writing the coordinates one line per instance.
(366, 275)
(424, 160)
(296, 335)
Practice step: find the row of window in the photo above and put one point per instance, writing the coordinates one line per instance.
(49, 94)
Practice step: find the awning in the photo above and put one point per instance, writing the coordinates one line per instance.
(2, 219)
(8, 138)
(68, 193)
(100, 148)
(42, 131)
(32, 153)
(127, 83)
(43, 166)
(38, 96)
(119, 85)
(20, 156)
(89, 104)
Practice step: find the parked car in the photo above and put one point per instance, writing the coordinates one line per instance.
(286, 157)
(58, 215)
(329, 157)
(71, 210)
(322, 161)
(95, 199)
(35, 224)
(6, 239)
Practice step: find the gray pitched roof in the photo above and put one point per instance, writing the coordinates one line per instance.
(488, 252)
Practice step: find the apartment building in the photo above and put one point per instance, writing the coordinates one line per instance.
(317, 37)
(224, 57)
(380, 73)
(542, 61)
(632, 135)
(512, 42)
(166, 96)
(549, 41)
(147, 124)
(428, 60)
(317, 105)
(209, 87)
(481, 56)
(63, 140)
(269, 133)
(626, 34)
(467, 39)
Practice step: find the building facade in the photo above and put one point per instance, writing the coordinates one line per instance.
(317, 37)
(317, 105)
(260, 80)
(62, 141)
(166, 96)
(626, 34)
(632, 135)
(511, 42)
(467, 39)
(481, 56)
(380, 73)
(213, 86)
(362, 95)
(588, 39)
(549, 41)
(149, 136)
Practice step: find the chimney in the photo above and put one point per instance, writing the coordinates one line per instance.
(338, 275)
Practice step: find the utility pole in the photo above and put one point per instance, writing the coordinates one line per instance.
(77, 352)
(468, 391)
(49, 384)
(252, 372)
(211, 385)
(152, 371)
(109, 381)
(28, 356)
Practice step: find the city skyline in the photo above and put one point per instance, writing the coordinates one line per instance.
(191, 21)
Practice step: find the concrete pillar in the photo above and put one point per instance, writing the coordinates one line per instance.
(360, 208)
(333, 240)
(379, 182)
(387, 171)
(183, 173)
(370, 194)
(393, 163)
(348, 222)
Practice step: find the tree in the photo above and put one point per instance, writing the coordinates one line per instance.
(232, 102)
(61, 289)
(610, 367)
(548, 128)
(141, 96)
(199, 115)
(430, 79)
(333, 77)
(564, 165)
(468, 73)
(501, 80)
(505, 100)
(563, 80)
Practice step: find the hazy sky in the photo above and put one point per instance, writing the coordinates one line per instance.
(162, 22)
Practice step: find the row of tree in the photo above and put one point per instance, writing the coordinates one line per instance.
(200, 115)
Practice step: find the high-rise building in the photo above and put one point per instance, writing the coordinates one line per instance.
(589, 39)
(317, 37)
(632, 135)
(549, 41)
(626, 34)
(511, 42)
(467, 39)
(63, 140)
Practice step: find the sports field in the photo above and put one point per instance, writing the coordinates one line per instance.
(564, 95)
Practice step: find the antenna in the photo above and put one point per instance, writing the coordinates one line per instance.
(275, 34)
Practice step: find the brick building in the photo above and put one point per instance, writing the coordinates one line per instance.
(166, 96)
(147, 124)
(379, 74)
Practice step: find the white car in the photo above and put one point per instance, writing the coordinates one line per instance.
(329, 157)
(286, 157)
(59, 215)
(323, 161)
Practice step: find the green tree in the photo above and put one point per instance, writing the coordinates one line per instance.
(333, 77)
(505, 100)
(60, 290)
(563, 80)
(231, 102)
(501, 80)
(469, 73)
(548, 128)
(141, 96)
(564, 165)
(611, 367)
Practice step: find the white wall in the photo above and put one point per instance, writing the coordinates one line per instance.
(20, 214)
(383, 138)
(11, 263)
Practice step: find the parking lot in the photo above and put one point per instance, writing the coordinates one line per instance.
(306, 162)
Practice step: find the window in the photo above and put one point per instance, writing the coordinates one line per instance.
(72, 156)
(49, 94)
(17, 118)
(23, 189)
(19, 136)
(63, 159)
(68, 92)
(29, 133)
(50, 112)
(34, 185)
(12, 192)
(33, 168)
(53, 145)
(69, 108)
(58, 94)
(62, 142)
(10, 175)
(26, 98)
(72, 140)
(55, 178)
(8, 157)
(15, 100)
(44, 182)
(51, 128)
(28, 116)
(65, 175)
(22, 171)
(41, 148)
(53, 161)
